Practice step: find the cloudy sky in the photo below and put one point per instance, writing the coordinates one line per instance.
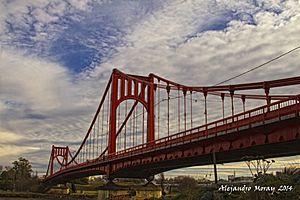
(56, 56)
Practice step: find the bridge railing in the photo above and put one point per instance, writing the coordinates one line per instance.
(254, 117)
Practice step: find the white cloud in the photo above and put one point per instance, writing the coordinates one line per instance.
(9, 137)
(57, 8)
(9, 153)
(9, 149)
(80, 4)
(220, 54)
(25, 81)
(43, 16)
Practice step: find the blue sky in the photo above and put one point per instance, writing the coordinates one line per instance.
(56, 56)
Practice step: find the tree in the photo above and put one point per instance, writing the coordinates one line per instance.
(161, 180)
(187, 188)
(185, 183)
(7, 179)
(23, 170)
(19, 177)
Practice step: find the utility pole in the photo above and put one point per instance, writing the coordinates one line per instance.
(215, 167)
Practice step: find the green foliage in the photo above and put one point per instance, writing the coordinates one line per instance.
(161, 180)
(193, 194)
(19, 178)
(7, 180)
(22, 169)
(188, 188)
(185, 183)
(281, 179)
(288, 177)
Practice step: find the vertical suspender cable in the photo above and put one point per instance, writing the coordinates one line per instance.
(232, 106)
(132, 133)
(178, 109)
(94, 133)
(125, 125)
(191, 109)
(85, 153)
(107, 119)
(143, 126)
(102, 129)
(90, 146)
(136, 123)
(168, 114)
(119, 116)
(134, 126)
(158, 110)
(98, 134)
(205, 107)
(184, 99)
(118, 136)
(223, 111)
(129, 132)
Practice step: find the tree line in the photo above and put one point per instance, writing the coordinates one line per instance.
(19, 177)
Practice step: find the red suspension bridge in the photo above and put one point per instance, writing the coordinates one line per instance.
(145, 125)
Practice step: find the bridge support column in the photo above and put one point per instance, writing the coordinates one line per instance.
(52, 160)
(113, 113)
(150, 124)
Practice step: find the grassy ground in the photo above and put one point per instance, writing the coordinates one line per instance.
(39, 196)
